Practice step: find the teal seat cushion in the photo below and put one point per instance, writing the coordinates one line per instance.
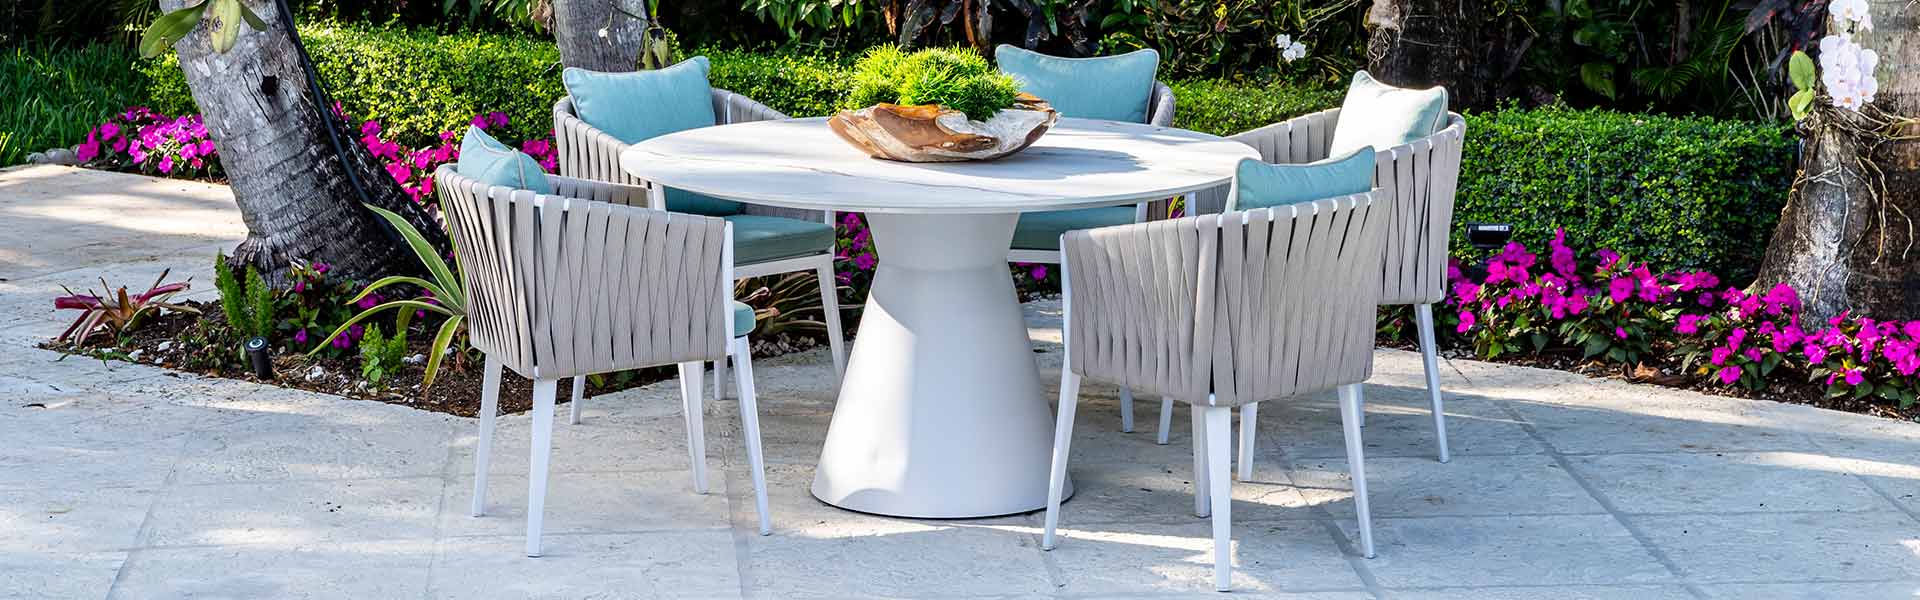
(1115, 88)
(759, 238)
(679, 200)
(1041, 230)
(488, 161)
(1261, 185)
(1379, 115)
(641, 105)
(742, 319)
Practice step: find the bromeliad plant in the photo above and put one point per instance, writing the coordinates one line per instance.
(114, 314)
(444, 295)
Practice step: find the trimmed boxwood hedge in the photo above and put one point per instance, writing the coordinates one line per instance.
(1680, 192)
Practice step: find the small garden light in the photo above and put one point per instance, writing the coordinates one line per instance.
(260, 356)
(1488, 236)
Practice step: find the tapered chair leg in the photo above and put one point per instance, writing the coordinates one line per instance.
(691, 408)
(836, 339)
(1166, 420)
(579, 395)
(1202, 506)
(1062, 446)
(1126, 409)
(543, 397)
(1220, 491)
(1429, 355)
(1351, 398)
(750, 421)
(483, 448)
(1249, 414)
(719, 379)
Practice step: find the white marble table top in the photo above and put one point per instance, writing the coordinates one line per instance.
(800, 163)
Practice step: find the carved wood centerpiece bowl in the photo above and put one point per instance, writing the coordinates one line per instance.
(935, 133)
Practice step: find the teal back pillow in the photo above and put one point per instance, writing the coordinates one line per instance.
(488, 161)
(638, 106)
(1261, 185)
(1379, 115)
(1115, 88)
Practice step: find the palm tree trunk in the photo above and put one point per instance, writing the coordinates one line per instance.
(1453, 43)
(299, 192)
(577, 27)
(1846, 239)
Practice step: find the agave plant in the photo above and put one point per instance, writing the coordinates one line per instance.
(118, 311)
(449, 296)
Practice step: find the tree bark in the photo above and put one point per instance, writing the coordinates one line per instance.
(1451, 43)
(1846, 237)
(293, 189)
(577, 25)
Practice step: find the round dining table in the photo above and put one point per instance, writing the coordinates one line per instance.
(941, 413)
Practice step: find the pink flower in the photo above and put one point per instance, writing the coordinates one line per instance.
(1815, 353)
(1753, 354)
(1466, 322)
(497, 118)
(1781, 297)
(399, 172)
(865, 262)
(1854, 377)
(1736, 338)
(300, 337)
(88, 150)
(1039, 272)
(1607, 258)
(1689, 324)
(1620, 333)
(1728, 375)
(1559, 255)
(1619, 289)
(1721, 354)
(370, 128)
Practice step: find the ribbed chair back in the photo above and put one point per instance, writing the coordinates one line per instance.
(589, 153)
(1229, 309)
(560, 286)
(1419, 179)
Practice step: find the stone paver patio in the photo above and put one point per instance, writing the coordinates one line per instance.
(126, 481)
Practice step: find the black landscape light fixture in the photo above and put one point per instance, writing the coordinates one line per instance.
(1489, 236)
(260, 357)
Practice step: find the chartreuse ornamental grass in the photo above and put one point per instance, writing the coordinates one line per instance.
(957, 78)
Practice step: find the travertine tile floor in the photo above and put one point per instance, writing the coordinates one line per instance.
(125, 481)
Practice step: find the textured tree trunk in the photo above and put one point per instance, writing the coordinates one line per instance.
(293, 190)
(577, 25)
(1842, 247)
(1452, 43)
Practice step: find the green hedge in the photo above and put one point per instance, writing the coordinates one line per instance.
(1225, 107)
(1690, 192)
(51, 96)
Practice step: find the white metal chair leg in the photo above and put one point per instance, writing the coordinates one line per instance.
(1351, 397)
(1249, 414)
(1126, 409)
(579, 395)
(750, 421)
(483, 449)
(543, 396)
(1429, 355)
(1220, 490)
(1062, 446)
(1201, 475)
(691, 408)
(719, 379)
(1166, 420)
(830, 304)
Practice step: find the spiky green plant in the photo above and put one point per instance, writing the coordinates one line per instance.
(449, 295)
(248, 303)
(957, 78)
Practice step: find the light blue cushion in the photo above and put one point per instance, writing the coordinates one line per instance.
(1261, 185)
(1041, 230)
(1379, 115)
(742, 319)
(760, 238)
(679, 200)
(1115, 88)
(641, 105)
(488, 161)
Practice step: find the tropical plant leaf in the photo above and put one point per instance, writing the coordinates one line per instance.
(444, 277)
(1599, 78)
(1800, 69)
(226, 24)
(439, 348)
(169, 29)
(356, 319)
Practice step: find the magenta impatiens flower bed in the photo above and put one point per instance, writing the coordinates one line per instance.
(1620, 311)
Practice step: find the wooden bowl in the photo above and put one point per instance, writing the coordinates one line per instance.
(935, 133)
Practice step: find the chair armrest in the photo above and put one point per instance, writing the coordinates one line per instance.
(1418, 181)
(1160, 105)
(1301, 139)
(730, 108)
(599, 191)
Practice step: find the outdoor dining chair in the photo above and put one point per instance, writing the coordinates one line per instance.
(1225, 310)
(1114, 88)
(1418, 178)
(604, 113)
(577, 282)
